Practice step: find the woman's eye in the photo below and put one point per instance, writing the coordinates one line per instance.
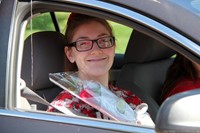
(103, 41)
(84, 44)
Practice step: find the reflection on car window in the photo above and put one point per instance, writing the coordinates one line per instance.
(191, 5)
(196, 4)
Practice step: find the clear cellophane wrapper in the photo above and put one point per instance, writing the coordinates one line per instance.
(99, 97)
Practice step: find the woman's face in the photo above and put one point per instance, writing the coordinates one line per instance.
(95, 62)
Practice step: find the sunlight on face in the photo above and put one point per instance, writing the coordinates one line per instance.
(95, 62)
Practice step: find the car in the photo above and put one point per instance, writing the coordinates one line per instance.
(155, 31)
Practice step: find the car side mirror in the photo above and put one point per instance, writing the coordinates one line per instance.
(180, 113)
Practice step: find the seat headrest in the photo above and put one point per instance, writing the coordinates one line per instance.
(45, 55)
(143, 48)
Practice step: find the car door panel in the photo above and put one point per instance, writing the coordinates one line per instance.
(28, 122)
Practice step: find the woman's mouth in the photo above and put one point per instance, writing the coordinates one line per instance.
(96, 59)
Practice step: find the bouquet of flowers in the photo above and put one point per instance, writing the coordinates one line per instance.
(98, 96)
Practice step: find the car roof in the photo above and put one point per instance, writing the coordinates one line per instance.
(181, 15)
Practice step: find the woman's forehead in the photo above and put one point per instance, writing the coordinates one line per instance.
(90, 30)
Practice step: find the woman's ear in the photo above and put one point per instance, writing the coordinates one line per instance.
(68, 53)
(114, 48)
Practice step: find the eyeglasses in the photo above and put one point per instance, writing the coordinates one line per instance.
(85, 45)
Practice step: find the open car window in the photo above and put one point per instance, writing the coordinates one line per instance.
(37, 55)
(43, 30)
(43, 53)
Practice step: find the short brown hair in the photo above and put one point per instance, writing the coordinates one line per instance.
(75, 20)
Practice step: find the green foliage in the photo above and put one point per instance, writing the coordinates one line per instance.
(122, 34)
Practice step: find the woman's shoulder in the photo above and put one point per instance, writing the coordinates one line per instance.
(186, 81)
(185, 84)
(118, 89)
(63, 95)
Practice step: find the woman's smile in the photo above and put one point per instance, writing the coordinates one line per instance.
(97, 59)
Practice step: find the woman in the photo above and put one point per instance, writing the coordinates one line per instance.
(183, 75)
(91, 48)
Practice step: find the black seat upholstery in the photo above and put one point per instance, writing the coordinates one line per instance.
(146, 61)
(45, 55)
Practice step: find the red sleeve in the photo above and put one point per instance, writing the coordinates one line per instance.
(184, 85)
(60, 100)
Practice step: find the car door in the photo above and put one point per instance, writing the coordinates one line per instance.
(5, 27)
(19, 13)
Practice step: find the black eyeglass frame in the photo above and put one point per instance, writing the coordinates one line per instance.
(112, 40)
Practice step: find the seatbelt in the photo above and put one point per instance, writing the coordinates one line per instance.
(31, 95)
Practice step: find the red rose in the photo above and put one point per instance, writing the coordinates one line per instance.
(127, 92)
(84, 94)
(134, 100)
(84, 111)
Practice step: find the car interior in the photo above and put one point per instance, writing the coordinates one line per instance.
(146, 61)
(47, 57)
(141, 68)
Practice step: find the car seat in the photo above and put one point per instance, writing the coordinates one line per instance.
(43, 54)
(146, 61)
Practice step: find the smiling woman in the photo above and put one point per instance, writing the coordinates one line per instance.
(45, 22)
(91, 47)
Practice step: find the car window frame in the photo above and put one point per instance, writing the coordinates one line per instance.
(149, 29)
